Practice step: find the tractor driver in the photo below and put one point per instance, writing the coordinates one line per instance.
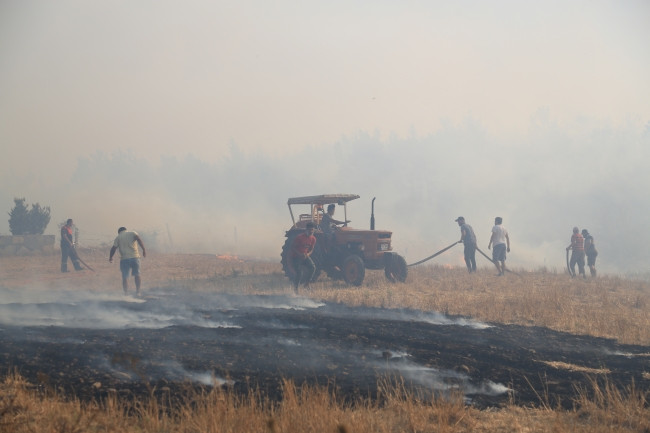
(328, 223)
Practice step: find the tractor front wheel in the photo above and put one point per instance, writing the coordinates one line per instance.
(354, 270)
(395, 268)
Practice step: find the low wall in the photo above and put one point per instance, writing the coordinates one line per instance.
(26, 245)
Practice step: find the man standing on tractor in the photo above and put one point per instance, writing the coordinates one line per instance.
(468, 239)
(301, 249)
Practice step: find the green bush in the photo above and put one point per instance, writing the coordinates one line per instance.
(24, 221)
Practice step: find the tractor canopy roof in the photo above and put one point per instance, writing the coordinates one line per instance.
(323, 199)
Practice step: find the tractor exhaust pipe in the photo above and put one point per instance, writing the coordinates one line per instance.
(372, 214)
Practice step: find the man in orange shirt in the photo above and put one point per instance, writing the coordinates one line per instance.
(67, 248)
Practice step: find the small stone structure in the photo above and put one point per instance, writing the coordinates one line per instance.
(26, 245)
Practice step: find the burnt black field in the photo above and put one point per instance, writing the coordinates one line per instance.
(92, 345)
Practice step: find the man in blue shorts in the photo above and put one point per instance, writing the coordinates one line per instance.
(501, 242)
(127, 242)
(590, 251)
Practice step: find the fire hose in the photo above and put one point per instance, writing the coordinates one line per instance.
(434, 255)
(76, 254)
(446, 248)
(504, 268)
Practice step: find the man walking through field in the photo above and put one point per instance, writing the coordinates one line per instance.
(127, 242)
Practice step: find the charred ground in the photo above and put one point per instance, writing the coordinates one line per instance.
(93, 346)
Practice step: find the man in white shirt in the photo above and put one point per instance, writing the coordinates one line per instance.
(127, 242)
(501, 242)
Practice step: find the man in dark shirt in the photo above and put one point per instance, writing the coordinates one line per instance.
(468, 239)
(67, 248)
(328, 223)
(578, 253)
(301, 249)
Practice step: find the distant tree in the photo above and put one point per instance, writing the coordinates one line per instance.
(39, 218)
(18, 217)
(24, 221)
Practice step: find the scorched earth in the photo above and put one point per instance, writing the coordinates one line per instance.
(92, 344)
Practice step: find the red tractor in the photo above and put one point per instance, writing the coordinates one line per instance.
(348, 252)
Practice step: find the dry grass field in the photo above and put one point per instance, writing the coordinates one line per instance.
(609, 307)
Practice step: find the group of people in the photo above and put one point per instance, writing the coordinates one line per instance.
(582, 244)
(126, 243)
(499, 241)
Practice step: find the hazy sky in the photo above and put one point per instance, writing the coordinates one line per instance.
(492, 87)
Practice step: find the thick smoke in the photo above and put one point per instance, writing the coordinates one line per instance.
(542, 184)
(207, 129)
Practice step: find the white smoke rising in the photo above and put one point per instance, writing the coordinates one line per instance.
(444, 380)
(94, 310)
(431, 317)
(174, 371)
(169, 369)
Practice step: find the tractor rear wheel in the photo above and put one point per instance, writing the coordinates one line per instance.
(396, 269)
(354, 270)
(287, 264)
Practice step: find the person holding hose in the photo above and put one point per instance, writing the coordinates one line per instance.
(577, 248)
(67, 248)
(468, 239)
